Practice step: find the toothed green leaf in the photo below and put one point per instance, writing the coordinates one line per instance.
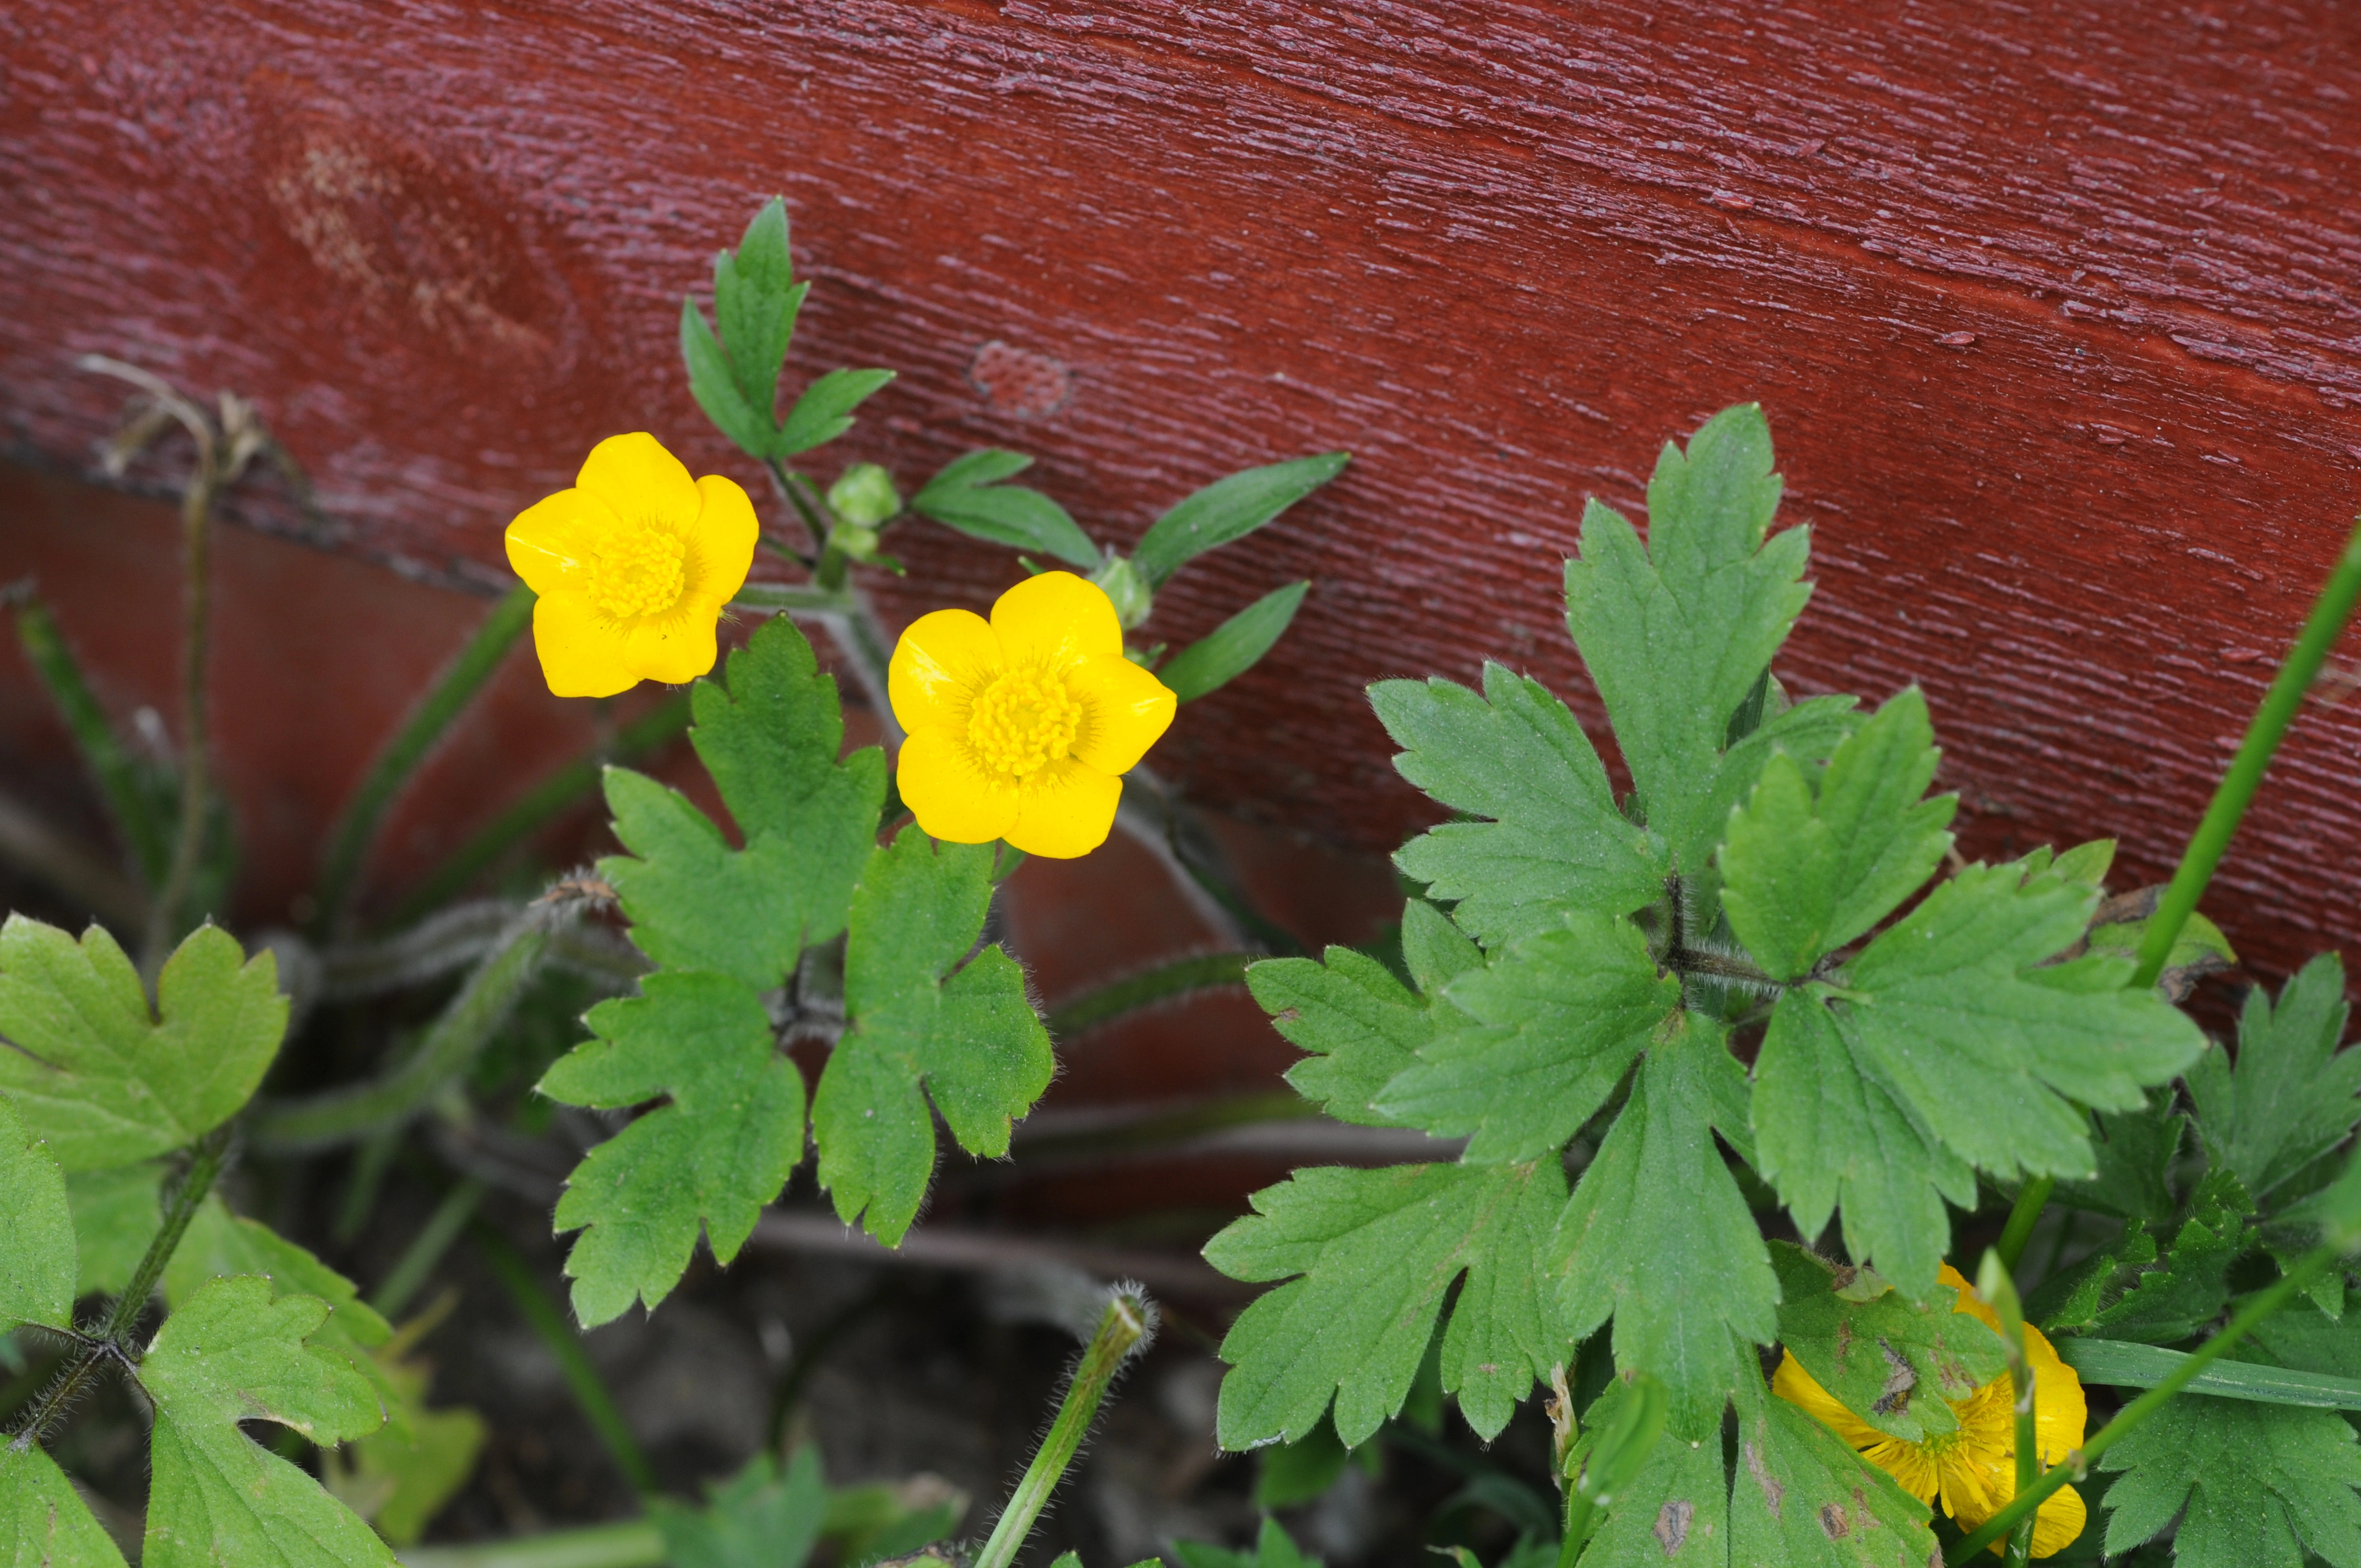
(37, 1260)
(1800, 1498)
(1376, 1252)
(2292, 1096)
(1897, 1364)
(44, 1523)
(2254, 1485)
(925, 1027)
(105, 1082)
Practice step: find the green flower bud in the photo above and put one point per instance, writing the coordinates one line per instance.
(857, 542)
(864, 497)
(1133, 602)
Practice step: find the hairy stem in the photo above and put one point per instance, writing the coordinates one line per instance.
(196, 608)
(544, 1318)
(453, 688)
(2231, 797)
(1125, 1323)
(2028, 1500)
(1203, 972)
(635, 1543)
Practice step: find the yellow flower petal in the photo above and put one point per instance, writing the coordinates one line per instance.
(940, 664)
(635, 476)
(720, 542)
(579, 656)
(554, 544)
(1797, 1386)
(952, 799)
(675, 648)
(1051, 620)
(1067, 810)
(2060, 1521)
(1124, 711)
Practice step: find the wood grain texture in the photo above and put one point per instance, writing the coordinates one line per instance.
(2053, 309)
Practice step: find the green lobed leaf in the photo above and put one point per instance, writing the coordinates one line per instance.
(1676, 1511)
(2071, 1301)
(1235, 646)
(1274, 1548)
(1805, 872)
(1555, 841)
(968, 496)
(723, 1146)
(1360, 1023)
(1368, 1257)
(824, 412)
(231, 1353)
(38, 1261)
(922, 1027)
(44, 1523)
(2190, 1284)
(714, 384)
(1229, 509)
(1951, 1041)
(1676, 632)
(1896, 1362)
(769, 741)
(116, 1213)
(763, 1517)
(1800, 1498)
(755, 298)
(2292, 1095)
(2254, 1485)
(1658, 1236)
(2136, 1151)
(1554, 1023)
(98, 1076)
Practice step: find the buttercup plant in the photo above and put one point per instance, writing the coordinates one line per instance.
(1706, 1064)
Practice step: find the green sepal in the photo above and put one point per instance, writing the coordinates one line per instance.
(1368, 1257)
(923, 1026)
(1233, 647)
(1658, 1236)
(104, 1081)
(722, 1147)
(1229, 509)
(1898, 1364)
(968, 495)
(1555, 841)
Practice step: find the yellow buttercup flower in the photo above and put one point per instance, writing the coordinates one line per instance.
(633, 566)
(1973, 1469)
(1021, 726)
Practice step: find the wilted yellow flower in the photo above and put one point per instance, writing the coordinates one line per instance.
(1021, 726)
(1973, 1469)
(633, 566)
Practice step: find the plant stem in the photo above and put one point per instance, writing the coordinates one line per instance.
(453, 688)
(636, 1543)
(1997, 1288)
(2231, 797)
(1121, 1328)
(196, 608)
(2028, 1500)
(546, 1320)
(354, 1111)
(1203, 972)
(794, 598)
(540, 805)
(112, 1340)
(426, 1249)
(2022, 1217)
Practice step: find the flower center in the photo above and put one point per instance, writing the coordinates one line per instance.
(641, 570)
(1022, 722)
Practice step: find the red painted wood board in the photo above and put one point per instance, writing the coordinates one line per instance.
(2053, 309)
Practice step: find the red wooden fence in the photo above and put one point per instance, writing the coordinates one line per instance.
(2053, 309)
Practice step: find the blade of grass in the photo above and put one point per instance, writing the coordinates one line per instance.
(540, 805)
(453, 689)
(2123, 1364)
(1205, 971)
(103, 752)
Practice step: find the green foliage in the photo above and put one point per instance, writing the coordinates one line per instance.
(1554, 842)
(44, 1523)
(1274, 1548)
(2190, 1284)
(1799, 1497)
(1229, 509)
(1377, 1251)
(1897, 1363)
(720, 1147)
(2292, 1095)
(965, 1033)
(735, 376)
(99, 1078)
(232, 1354)
(1233, 647)
(37, 1246)
(2136, 1151)
(114, 1214)
(968, 495)
(2261, 1485)
(760, 1517)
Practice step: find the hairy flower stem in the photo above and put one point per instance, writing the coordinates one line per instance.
(2078, 1463)
(1126, 1321)
(196, 610)
(453, 688)
(112, 1339)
